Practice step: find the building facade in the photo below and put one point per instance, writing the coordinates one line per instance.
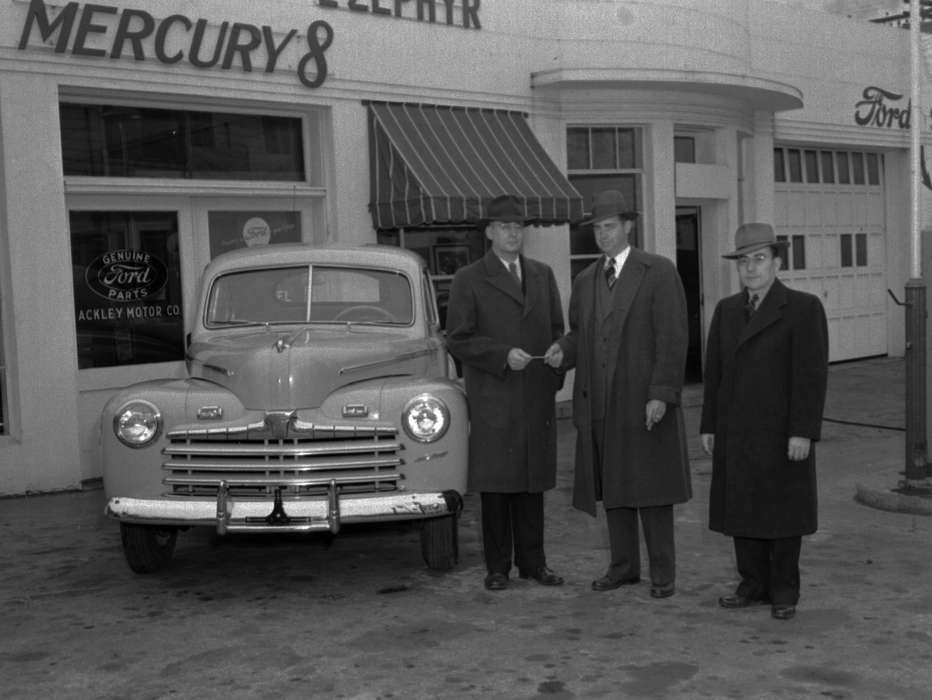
(139, 141)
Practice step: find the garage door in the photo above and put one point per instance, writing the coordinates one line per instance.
(829, 204)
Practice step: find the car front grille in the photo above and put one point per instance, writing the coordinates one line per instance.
(251, 463)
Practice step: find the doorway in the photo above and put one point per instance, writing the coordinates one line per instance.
(688, 265)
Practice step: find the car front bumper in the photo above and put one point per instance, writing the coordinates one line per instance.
(326, 513)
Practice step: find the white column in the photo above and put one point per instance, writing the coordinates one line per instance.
(43, 451)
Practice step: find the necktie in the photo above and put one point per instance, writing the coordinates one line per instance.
(513, 269)
(609, 270)
(751, 306)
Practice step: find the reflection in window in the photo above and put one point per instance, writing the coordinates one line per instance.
(873, 169)
(127, 287)
(857, 167)
(124, 141)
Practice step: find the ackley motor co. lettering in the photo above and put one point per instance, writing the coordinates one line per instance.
(126, 275)
(135, 29)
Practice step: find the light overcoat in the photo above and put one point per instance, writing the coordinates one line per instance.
(512, 438)
(765, 381)
(646, 329)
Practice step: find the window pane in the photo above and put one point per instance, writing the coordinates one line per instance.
(812, 166)
(4, 428)
(627, 149)
(788, 263)
(127, 287)
(844, 177)
(684, 149)
(577, 149)
(857, 168)
(604, 149)
(121, 141)
(229, 230)
(794, 159)
(860, 250)
(873, 169)
(828, 167)
(846, 250)
(779, 170)
(799, 252)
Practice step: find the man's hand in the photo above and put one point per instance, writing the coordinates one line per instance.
(708, 443)
(518, 359)
(554, 356)
(654, 411)
(798, 448)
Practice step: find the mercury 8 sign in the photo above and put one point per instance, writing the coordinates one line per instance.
(319, 394)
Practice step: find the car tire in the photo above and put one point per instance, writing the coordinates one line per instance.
(440, 542)
(147, 548)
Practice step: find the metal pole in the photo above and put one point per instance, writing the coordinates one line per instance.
(916, 448)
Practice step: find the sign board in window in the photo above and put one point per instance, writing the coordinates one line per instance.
(127, 287)
(230, 230)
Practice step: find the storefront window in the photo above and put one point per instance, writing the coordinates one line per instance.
(127, 287)
(444, 249)
(230, 230)
(591, 172)
(126, 141)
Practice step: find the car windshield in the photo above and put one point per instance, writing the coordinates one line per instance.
(337, 295)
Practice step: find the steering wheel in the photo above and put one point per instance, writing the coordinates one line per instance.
(364, 312)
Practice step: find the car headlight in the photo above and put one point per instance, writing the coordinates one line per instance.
(137, 423)
(425, 418)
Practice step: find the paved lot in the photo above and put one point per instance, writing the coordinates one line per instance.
(359, 616)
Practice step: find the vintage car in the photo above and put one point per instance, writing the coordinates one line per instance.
(319, 393)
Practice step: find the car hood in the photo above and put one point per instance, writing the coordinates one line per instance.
(287, 369)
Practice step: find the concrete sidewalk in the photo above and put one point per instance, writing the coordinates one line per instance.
(359, 616)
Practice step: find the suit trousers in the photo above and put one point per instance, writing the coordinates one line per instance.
(513, 520)
(769, 569)
(623, 536)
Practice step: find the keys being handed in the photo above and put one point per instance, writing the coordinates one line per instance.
(518, 359)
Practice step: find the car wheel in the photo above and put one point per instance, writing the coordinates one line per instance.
(147, 548)
(440, 542)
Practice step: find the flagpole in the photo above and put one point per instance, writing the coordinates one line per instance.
(915, 306)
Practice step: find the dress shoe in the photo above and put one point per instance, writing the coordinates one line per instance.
(606, 583)
(782, 612)
(662, 591)
(496, 581)
(738, 600)
(543, 576)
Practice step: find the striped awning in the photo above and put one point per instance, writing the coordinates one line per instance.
(443, 165)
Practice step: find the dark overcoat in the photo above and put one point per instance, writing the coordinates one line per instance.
(646, 328)
(765, 381)
(512, 414)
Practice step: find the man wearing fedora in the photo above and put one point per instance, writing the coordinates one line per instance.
(628, 340)
(765, 379)
(504, 312)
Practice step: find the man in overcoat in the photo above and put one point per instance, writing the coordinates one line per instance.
(628, 340)
(765, 381)
(504, 311)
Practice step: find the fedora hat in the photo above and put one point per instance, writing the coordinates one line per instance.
(751, 237)
(609, 203)
(506, 207)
